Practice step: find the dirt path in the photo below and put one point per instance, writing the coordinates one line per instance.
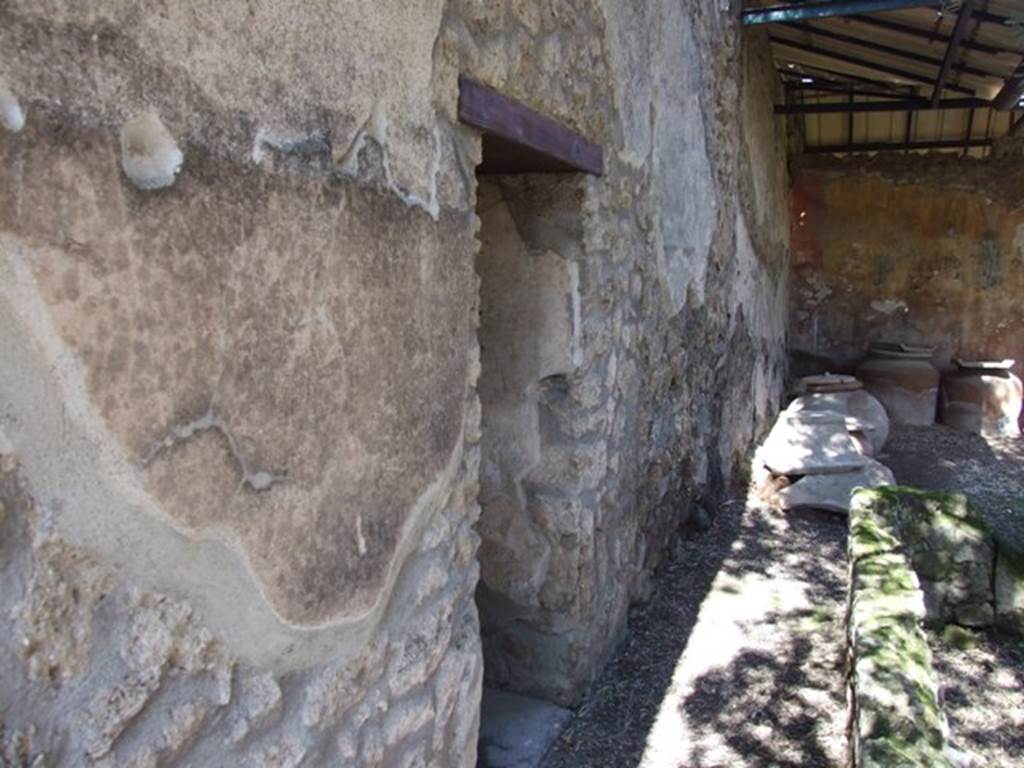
(737, 660)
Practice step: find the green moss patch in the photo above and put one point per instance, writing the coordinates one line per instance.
(897, 717)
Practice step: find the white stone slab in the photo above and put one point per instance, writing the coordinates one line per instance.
(833, 492)
(810, 443)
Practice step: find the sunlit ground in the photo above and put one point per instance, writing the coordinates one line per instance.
(760, 681)
(982, 679)
(737, 660)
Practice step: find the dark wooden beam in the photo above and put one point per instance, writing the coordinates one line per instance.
(952, 50)
(927, 35)
(821, 10)
(888, 50)
(518, 139)
(864, 63)
(883, 146)
(896, 105)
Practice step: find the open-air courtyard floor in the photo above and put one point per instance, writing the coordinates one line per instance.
(737, 660)
(739, 657)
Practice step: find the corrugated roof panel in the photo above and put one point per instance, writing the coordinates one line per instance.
(899, 54)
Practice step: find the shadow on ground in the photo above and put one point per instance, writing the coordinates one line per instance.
(989, 470)
(736, 661)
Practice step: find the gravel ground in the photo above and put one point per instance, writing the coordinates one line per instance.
(989, 470)
(983, 674)
(738, 659)
(983, 691)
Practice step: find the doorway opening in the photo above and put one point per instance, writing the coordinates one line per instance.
(529, 201)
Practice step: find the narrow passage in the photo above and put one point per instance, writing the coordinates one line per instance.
(738, 659)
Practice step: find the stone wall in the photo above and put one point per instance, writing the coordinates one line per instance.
(923, 249)
(896, 715)
(670, 324)
(239, 417)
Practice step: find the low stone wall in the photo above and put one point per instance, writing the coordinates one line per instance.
(896, 717)
(1008, 585)
(950, 549)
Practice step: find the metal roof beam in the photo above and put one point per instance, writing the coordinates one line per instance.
(1013, 88)
(927, 35)
(902, 105)
(830, 54)
(992, 18)
(889, 50)
(848, 78)
(832, 87)
(821, 10)
(882, 146)
(962, 20)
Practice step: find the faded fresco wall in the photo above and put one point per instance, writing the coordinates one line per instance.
(239, 424)
(921, 249)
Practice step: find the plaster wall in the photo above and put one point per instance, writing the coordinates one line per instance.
(676, 260)
(239, 416)
(239, 420)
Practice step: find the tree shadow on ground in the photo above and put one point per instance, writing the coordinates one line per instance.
(611, 725)
(768, 707)
(989, 470)
(983, 692)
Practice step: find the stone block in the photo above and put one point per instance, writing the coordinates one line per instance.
(834, 491)
(897, 719)
(1009, 588)
(858, 404)
(946, 541)
(810, 444)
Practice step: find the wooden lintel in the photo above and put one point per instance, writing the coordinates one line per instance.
(518, 139)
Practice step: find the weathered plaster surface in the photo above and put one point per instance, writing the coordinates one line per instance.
(924, 250)
(98, 672)
(681, 257)
(251, 352)
(234, 76)
(240, 527)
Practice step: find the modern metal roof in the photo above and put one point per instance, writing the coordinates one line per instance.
(873, 75)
